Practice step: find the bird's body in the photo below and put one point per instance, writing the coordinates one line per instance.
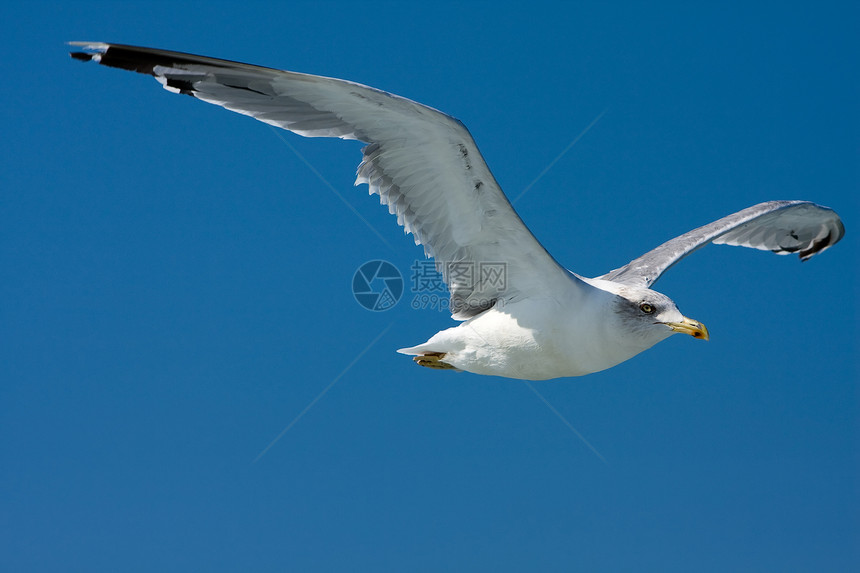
(525, 339)
(537, 320)
(538, 338)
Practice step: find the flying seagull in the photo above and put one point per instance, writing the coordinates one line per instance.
(540, 321)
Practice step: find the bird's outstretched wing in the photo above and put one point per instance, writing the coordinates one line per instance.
(782, 227)
(422, 163)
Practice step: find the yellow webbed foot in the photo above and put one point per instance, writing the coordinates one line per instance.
(433, 360)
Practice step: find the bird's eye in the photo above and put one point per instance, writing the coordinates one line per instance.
(647, 308)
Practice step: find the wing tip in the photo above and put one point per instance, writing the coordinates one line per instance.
(90, 51)
(818, 246)
(124, 57)
(834, 235)
(83, 56)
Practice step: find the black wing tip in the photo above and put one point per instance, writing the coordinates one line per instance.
(82, 56)
(818, 246)
(131, 58)
(835, 232)
(88, 51)
(144, 60)
(140, 60)
(825, 243)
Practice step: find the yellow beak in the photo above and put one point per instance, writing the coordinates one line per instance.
(692, 327)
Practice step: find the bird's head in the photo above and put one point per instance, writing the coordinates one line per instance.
(653, 316)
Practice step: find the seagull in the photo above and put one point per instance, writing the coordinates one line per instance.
(534, 320)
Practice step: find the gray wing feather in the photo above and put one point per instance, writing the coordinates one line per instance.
(782, 227)
(423, 164)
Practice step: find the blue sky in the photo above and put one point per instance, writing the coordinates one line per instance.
(176, 290)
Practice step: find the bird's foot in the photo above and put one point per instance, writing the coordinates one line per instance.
(433, 360)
